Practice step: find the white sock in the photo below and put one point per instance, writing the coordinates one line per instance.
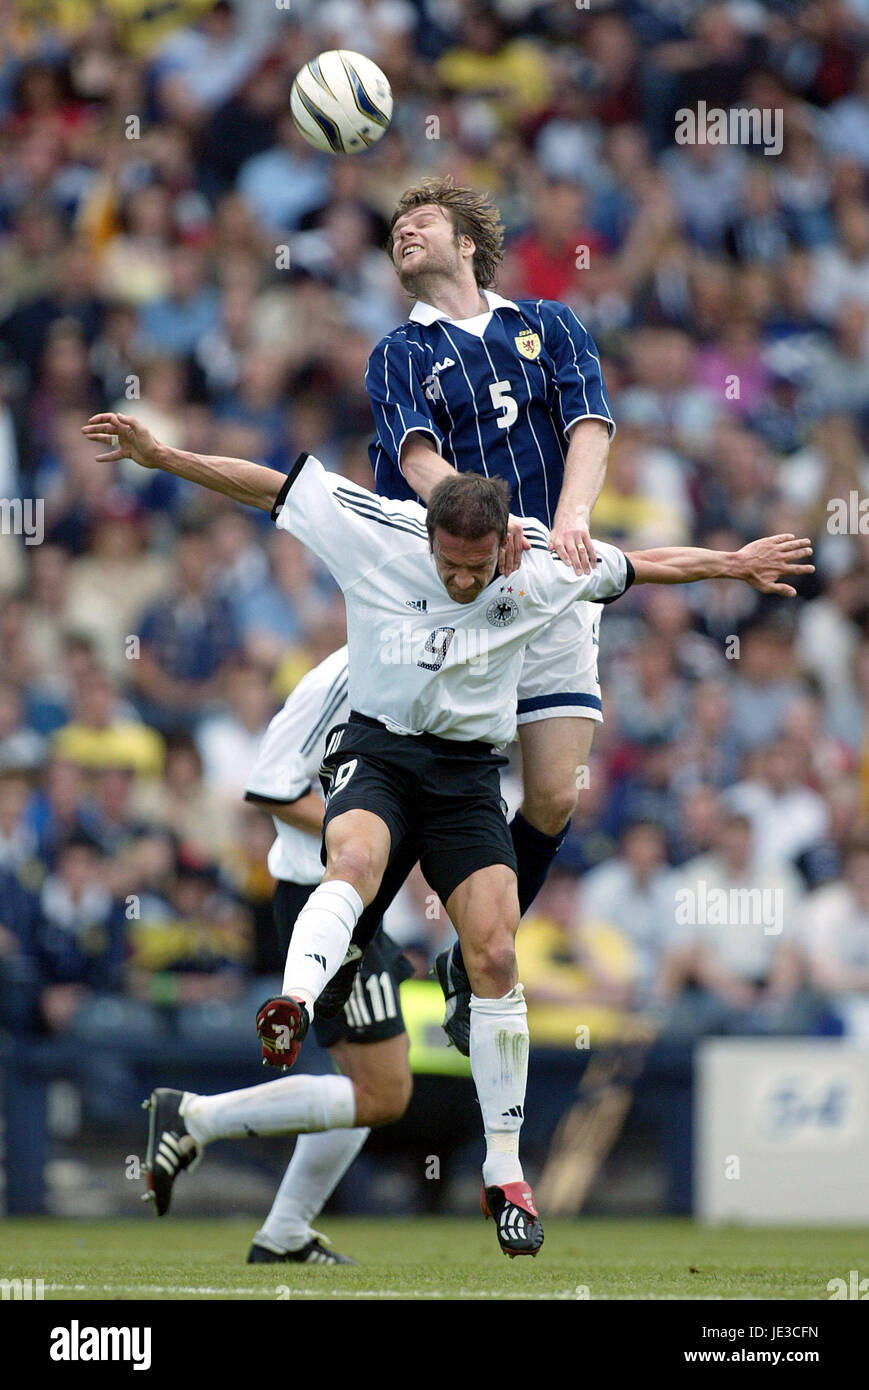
(499, 1066)
(320, 939)
(318, 1164)
(288, 1105)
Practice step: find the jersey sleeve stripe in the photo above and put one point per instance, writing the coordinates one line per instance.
(375, 513)
(630, 576)
(592, 415)
(251, 795)
(288, 483)
(542, 701)
(381, 520)
(417, 429)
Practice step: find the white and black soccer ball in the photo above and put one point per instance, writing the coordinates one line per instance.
(341, 102)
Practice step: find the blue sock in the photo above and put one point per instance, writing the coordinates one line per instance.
(534, 854)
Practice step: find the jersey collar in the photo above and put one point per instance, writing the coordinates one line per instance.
(427, 313)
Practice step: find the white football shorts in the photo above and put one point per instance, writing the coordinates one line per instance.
(559, 674)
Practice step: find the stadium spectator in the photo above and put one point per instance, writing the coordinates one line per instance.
(573, 967)
(846, 128)
(200, 819)
(19, 985)
(763, 686)
(103, 732)
(487, 60)
(375, 27)
(193, 948)
(187, 639)
(788, 817)
(561, 235)
(19, 843)
(740, 918)
(21, 747)
(836, 936)
(229, 742)
(174, 323)
(80, 942)
(632, 892)
(199, 68)
(840, 274)
(283, 183)
(108, 584)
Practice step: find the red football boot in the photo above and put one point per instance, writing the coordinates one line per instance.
(282, 1024)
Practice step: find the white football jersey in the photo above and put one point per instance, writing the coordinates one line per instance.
(289, 759)
(418, 661)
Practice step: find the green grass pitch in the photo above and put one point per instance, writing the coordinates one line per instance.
(429, 1258)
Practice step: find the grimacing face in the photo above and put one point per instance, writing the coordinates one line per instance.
(424, 243)
(465, 567)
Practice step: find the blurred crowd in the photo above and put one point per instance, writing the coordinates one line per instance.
(170, 247)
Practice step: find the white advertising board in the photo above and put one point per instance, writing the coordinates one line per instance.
(781, 1131)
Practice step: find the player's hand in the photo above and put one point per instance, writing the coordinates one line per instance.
(572, 542)
(128, 438)
(510, 557)
(762, 562)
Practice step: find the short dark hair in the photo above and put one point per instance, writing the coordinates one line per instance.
(469, 506)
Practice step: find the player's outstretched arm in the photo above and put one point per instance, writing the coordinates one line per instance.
(760, 564)
(240, 479)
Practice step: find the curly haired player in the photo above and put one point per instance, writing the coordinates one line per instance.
(512, 389)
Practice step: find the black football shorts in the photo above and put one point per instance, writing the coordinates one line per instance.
(440, 796)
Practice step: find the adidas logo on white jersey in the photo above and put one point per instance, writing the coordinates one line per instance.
(419, 605)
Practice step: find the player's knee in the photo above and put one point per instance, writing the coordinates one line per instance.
(397, 1098)
(493, 963)
(355, 861)
(550, 808)
(386, 1101)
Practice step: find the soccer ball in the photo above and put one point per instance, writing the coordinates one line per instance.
(341, 102)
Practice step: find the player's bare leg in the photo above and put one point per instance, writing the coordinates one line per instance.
(553, 753)
(357, 852)
(380, 1072)
(485, 911)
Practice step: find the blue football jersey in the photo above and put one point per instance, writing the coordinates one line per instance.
(497, 394)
